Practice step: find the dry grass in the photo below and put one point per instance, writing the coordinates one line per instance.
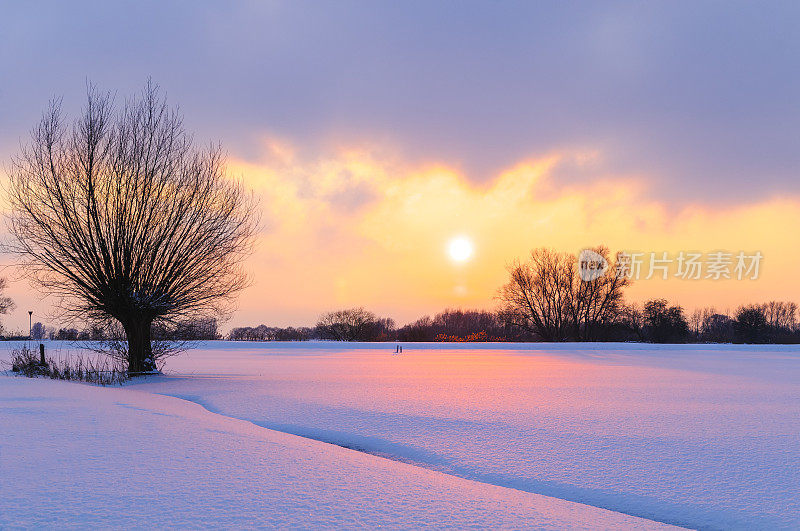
(78, 367)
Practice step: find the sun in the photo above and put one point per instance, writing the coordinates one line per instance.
(460, 249)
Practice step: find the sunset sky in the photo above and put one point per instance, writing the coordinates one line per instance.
(376, 133)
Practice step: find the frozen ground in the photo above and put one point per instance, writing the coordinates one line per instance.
(77, 456)
(699, 436)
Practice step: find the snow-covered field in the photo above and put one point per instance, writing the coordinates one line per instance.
(698, 436)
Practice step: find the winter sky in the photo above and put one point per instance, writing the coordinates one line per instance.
(376, 132)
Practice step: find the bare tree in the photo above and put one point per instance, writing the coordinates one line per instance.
(38, 331)
(631, 317)
(124, 220)
(597, 301)
(664, 323)
(356, 324)
(781, 314)
(538, 294)
(547, 296)
(716, 327)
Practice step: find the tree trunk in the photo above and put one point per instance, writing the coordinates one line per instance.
(140, 350)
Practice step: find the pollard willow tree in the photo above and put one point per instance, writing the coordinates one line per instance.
(122, 219)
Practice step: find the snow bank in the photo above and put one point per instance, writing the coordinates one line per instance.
(77, 456)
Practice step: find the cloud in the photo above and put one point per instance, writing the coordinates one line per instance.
(702, 99)
(388, 252)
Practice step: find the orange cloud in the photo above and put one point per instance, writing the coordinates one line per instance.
(355, 230)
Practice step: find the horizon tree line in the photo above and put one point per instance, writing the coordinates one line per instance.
(655, 321)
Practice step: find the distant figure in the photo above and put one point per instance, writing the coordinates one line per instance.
(401, 349)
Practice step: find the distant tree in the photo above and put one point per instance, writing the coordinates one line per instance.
(266, 333)
(420, 330)
(696, 323)
(629, 324)
(243, 333)
(38, 331)
(716, 328)
(355, 324)
(238, 334)
(751, 325)
(121, 218)
(458, 324)
(664, 323)
(249, 333)
(292, 334)
(67, 334)
(194, 330)
(463, 323)
(262, 333)
(781, 315)
(546, 295)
